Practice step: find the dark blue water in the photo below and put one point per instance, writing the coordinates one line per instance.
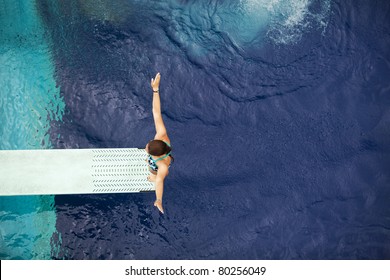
(279, 117)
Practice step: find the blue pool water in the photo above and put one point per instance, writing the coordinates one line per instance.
(278, 112)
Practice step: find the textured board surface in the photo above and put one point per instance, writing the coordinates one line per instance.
(81, 171)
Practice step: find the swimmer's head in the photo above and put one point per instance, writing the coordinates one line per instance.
(157, 148)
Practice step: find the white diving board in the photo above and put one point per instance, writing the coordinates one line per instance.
(73, 171)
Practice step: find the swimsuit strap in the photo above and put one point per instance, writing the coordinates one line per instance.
(167, 155)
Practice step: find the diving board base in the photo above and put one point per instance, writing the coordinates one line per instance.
(73, 171)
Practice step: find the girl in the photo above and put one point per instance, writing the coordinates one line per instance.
(159, 149)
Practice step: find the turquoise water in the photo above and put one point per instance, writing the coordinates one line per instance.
(29, 101)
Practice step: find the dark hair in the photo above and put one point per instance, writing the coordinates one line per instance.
(158, 148)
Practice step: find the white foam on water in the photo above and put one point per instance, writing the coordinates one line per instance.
(286, 21)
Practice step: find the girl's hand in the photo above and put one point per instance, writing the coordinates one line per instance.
(155, 83)
(158, 204)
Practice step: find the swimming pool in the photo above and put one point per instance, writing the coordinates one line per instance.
(278, 112)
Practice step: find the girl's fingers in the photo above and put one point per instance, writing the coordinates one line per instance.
(155, 80)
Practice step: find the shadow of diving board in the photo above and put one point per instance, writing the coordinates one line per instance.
(81, 171)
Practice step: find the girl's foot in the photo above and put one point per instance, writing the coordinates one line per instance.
(158, 204)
